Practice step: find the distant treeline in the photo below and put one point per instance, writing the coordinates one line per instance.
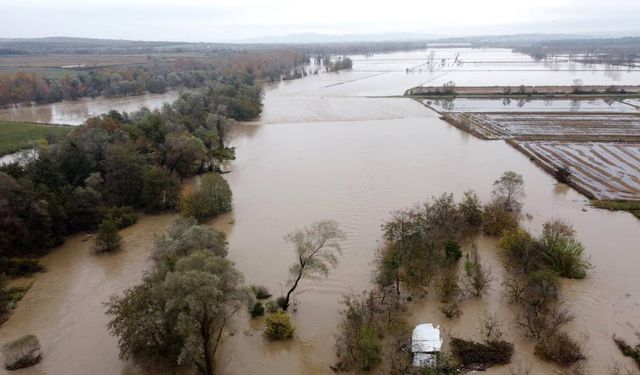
(118, 162)
(154, 76)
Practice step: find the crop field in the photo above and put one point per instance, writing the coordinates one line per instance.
(620, 127)
(606, 171)
(15, 136)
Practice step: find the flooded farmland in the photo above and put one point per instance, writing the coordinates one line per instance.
(326, 147)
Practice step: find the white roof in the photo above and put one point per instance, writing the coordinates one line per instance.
(426, 339)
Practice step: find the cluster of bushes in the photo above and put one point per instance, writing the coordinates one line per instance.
(627, 350)
(178, 314)
(341, 63)
(481, 355)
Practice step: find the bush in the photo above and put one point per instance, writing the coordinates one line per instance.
(122, 216)
(451, 311)
(446, 364)
(477, 355)
(281, 302)
(212, 198)
(261, 292)
(367, 348)
(628, 350)
(560, 349)
(498, 220)
(523, 250)
(107, 238)
(257, 310)
(447, 285)
(14, 267)
(452, 252)
(21, 353)
(278, 326)
(561, 250)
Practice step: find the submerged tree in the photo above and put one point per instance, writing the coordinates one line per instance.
(107, 237)
(508, 190)
(317, 248)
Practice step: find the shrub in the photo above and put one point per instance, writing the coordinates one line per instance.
(497, 219)
(281, 302)
(107, 238)
(271, 306)
(123, 216)
(448, 285)
(561, 250)
(481, 355)
(628, 350)
(261, 292)
(523, 250)
(21, 353)
(278, 326)
(452, 252)
(451, 311)
(367, 348)
(257, 310)
(14, 267)
(560, 349)
(477, 278)
(446, 364)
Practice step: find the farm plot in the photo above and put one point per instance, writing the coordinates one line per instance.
(618, 127)
(600, 170)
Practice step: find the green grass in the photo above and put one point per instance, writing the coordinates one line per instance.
(16, 136)
(629, 206)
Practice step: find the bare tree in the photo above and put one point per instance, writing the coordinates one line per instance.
(477, 277)
(317, 248)
(490, 328)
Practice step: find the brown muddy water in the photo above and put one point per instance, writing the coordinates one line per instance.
(317, 153)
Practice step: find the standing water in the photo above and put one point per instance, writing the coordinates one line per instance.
(323, 149)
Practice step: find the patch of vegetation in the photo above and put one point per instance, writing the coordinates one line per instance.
(212, 198)
(451, 311)
(476, 355)
(22, 352)
(257, 310)
(16, 136)
(15, 267)
(122, 217)
(9, 297)
(261, 292)
(629, 206)
(278, 326)
(107, 238)
(560, 349)
(628, 350)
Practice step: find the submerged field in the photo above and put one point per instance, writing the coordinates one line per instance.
(15, 136)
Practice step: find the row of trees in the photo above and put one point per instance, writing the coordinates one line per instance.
(154, 76)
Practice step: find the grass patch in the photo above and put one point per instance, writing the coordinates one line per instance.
(629, 206)
(16, 136)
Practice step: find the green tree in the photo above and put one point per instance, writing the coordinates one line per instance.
(160, 189)
(212, 198)
(316, 248)
(107, 238)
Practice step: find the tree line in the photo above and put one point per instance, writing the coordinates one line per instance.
(154, 76)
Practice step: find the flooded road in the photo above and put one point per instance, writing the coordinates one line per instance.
(318, 153)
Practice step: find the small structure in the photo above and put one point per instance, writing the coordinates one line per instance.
(425, 344)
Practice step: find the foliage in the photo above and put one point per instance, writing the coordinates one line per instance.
(560, 349)
(632, 207)
(451, 311)
(123, 216)
(561, 250)
(628, 350)
(471, 209)
(212, 198)
(278, 326)
(107, 238)
(177, 316)
(316, 248)
(447, 285)
(22, 352)
(498, 220)
(476, 355)
(13, 267)
(160, 189)
(183, 237)
(522, 249)
(446, 364)
(257, 310)
(367, 347)
(452, 252)
(260, 291)
(508, 191)
(477, 278)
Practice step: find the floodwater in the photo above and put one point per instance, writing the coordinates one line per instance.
(318, 153)
(74, 112)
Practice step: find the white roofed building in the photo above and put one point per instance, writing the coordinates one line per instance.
(425, 343)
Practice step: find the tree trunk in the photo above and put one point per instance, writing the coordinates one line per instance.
(290, 292)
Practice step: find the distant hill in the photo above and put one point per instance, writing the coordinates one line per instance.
(314, 38)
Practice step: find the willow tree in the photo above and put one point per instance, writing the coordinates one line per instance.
(317, 248)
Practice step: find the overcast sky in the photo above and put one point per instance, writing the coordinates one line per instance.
(225, 20)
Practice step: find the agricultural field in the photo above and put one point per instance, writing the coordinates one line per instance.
(15, 136)
(604, 171)
(620, 127)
